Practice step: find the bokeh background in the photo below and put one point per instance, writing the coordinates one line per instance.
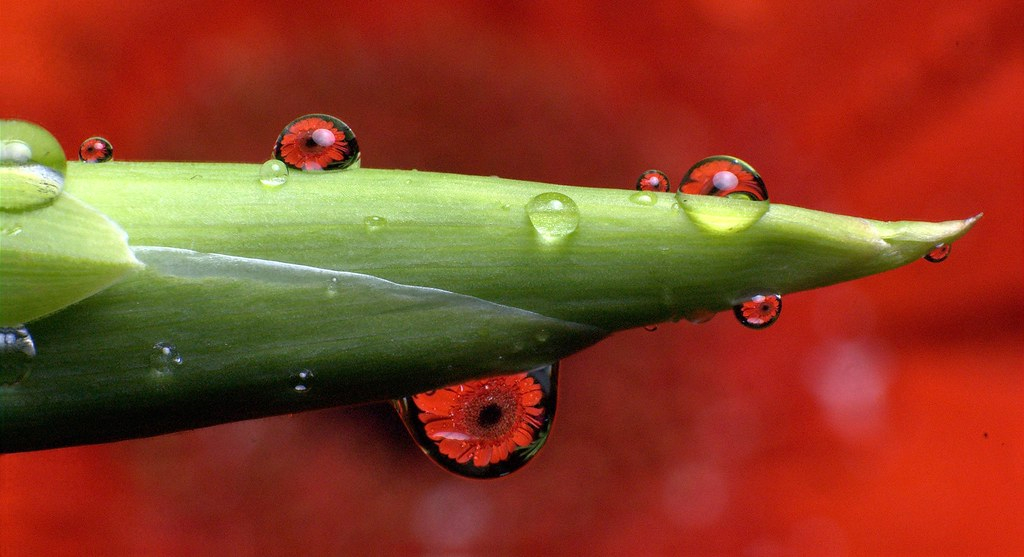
(880, 417)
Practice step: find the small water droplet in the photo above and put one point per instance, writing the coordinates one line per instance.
(699, 316)
(759, 311)
(302, 381)
(374, 223)
(32, 166)
(939, 253)
(11, 230)
(273, 173)
(724, 175)
(553, 215)
(652, 180)
(332, 287)
(95, 149)
(165, 358)
(650, 328)
(317, 142)
(643, 198)
(17, 349)
(485, 428)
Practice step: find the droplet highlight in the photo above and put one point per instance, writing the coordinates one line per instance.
(32, 166)
(553, 215)
(939, 253)
(759, 311)
(164, 359)
(652, 180)
(302, 381)
(724, 175)
(644, 198)
(17, 350)
(95, 150)
(485, 428)
(273, 173)
(317, 142)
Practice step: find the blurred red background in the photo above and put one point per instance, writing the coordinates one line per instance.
(880, 417)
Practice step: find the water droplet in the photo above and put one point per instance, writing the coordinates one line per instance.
(650, 328)
(698, 316)
(12, 230)
(273, 173)
(164, 358)
(553, 215)
(32, 166)
(723, 175)
(939, 253)
(374, 223)
(16, 353)
(643, 198)
(759, 311)
(317, 142)
(652, 180)
(486, 428)
(302, 381)
(717, 215)
(95, 149)
(332, 287)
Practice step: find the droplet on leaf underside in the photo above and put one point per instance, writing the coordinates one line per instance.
(759, 311)
(486, 428)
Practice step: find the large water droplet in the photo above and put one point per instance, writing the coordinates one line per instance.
(16, 353)
(95, 149)
(317, 142)
(759, 311)
(164, 358)
(32, 166)
(652, 180)
(302, 381)
(553, 215)
(716, 215)
(939, 253)
(486, 428)
(724, 175)
(273, 173)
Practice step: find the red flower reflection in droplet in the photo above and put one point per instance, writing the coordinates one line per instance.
(304, 146)
(95, 149)
(938, 254)
(759, 311)
(652, 180)
(701, 179)
(482, 421)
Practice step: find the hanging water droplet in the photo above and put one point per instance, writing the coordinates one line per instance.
(723, 175)
(317, 142)
(374, 223)
(486, 428)
(17, 350)
(939, 253)
(95, 149)
(650, 328)
(699, 316)
(759, 311)
(643, 198)
(164, 358)
(302, 381)
(32, 166)
(652, 180)
(553, 215)
(273, 173)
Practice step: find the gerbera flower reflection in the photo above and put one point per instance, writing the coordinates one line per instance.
(652, 180)
(759, 311)
(484, 428)
(723, 175)
(317, 142)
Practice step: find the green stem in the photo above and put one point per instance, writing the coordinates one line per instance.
(384, 283)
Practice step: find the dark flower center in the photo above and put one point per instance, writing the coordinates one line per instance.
(489, 415)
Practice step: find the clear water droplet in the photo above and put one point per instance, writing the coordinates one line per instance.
(164, 358)
(374, 223)
(332, 287)
(699, 316)
(759, 311)
(716, 215)
(939, 253)
(302, 381)
(32, 166)
(95, 149)
(273, 173)
(317, 142)
(553, 215)
(485, 428)
(17, 350)
(643, 198)
(652, 180)
(724, 175)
